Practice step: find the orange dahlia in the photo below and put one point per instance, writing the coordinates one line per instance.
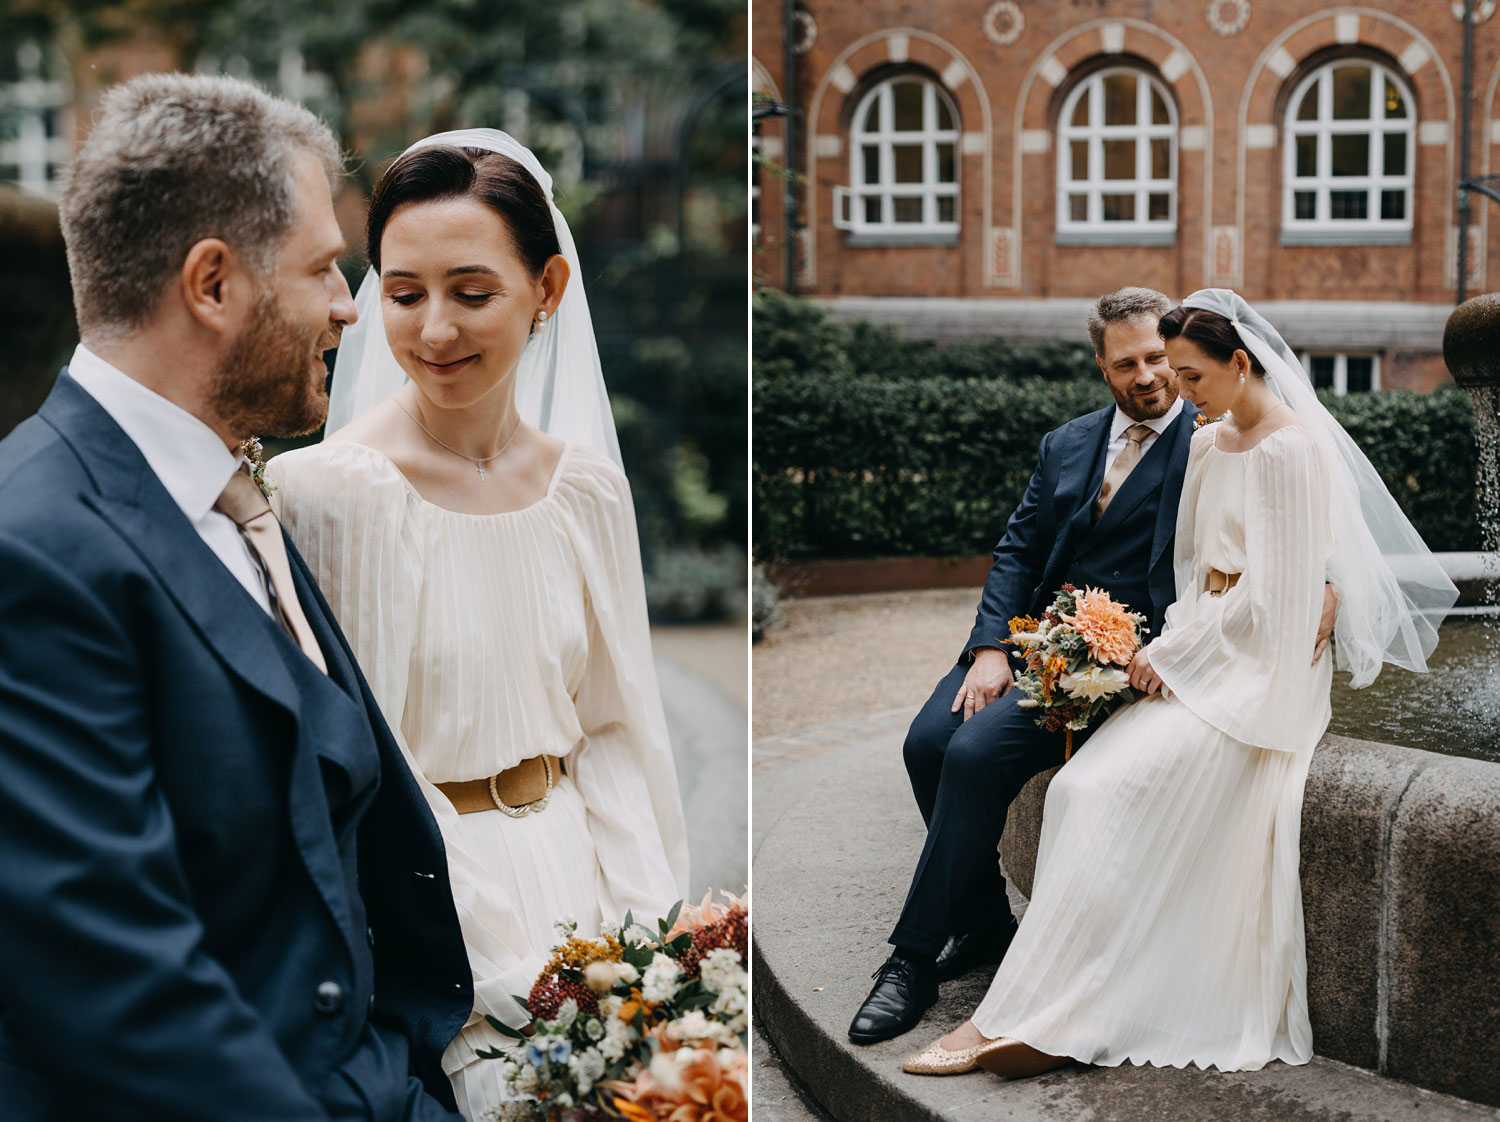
(1105, 625)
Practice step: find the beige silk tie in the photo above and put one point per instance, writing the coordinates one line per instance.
(1129, 456)
(243, 502)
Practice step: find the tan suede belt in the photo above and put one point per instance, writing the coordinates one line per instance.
(1216, 583)
(516, 791)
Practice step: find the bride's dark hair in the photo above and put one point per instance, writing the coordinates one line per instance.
(440, 172)
(1211, 331)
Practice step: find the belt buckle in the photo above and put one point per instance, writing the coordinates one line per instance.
(533, 807)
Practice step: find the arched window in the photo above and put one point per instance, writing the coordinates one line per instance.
(1117, 159)
(34, 132)
(903, 162)
(1350, 146)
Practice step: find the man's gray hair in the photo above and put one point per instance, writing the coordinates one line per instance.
(173, 159)
(1121, 306)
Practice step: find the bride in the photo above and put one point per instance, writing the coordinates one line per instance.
(1165, 924)
(474, 535)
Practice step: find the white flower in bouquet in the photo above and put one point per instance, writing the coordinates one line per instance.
(567, 1013)
(600, 976)
(586, 1068)
(616, 1039)
(721, 969)
(660, 982)
(564, 928)
(1093, 682)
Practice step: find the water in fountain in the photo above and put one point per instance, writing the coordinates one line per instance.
(1454, 709)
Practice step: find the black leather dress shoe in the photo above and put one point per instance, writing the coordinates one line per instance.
(974, 949)
(905, 988)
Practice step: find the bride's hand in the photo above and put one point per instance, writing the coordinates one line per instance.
(1325, 623)
(1141, 674)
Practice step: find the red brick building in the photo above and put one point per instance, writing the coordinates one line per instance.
(978, 167)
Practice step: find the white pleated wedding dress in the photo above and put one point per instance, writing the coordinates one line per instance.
(489, 639)
(1165, 923)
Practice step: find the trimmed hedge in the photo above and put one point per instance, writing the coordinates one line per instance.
(878, 464)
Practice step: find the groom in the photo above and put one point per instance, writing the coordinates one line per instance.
(1100, 510)
(224, 897)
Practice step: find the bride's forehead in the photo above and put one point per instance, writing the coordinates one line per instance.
(433, 229)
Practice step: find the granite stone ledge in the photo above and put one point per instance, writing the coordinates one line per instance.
(1444, 954)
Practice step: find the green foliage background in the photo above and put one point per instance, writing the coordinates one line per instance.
(867, 445)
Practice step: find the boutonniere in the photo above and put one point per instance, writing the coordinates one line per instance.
(1205, 419)
(255, 456)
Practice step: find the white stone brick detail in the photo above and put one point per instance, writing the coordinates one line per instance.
(1112, 38)
(1413, 58)
(898, 46)
(1192, 138)
(1036, 141)
(1052, 71)
(1175, 66)
(842, 78)
(1260, 136)
(828, 147)
(1281, 63)
(1432, 132)
(955, 74)
(770, 147)
(1346, 27)
(972, 144)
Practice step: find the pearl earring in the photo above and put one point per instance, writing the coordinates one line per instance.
(541, 322)
(1242, 377)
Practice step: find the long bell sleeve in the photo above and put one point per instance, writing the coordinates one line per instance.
(623, 763)
(1241, 660)
(357, 523)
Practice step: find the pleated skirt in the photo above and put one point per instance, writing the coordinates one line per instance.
(546, 866)
(1165, 922)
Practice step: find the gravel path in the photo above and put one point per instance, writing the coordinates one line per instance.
(833, 658)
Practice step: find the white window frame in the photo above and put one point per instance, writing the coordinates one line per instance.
(1095, 229)
(755, 151)
(33, 151)
(1341, 368)
(1322, 229)
(849, 202)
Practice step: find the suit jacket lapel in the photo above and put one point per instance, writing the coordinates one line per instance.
(1083, 463)
(132, 500)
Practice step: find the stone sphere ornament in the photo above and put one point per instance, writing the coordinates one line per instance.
(1004, 22)
(1228, 17)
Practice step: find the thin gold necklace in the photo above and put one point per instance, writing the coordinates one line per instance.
(478, 462)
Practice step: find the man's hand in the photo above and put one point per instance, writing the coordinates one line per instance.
(1142, 675)
(988, 678)
(1325, 623)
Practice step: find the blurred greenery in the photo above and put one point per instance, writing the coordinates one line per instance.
(867, 445)
(637, 107)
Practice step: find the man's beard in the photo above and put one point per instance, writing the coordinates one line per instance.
(266, 385)
(1131, 406)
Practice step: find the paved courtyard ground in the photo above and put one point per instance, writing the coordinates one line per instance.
(834, 658)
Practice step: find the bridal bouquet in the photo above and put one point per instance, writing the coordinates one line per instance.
(1075, 657)
(638, 1024)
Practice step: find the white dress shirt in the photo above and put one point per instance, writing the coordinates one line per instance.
(193, 464)
(1120, 422)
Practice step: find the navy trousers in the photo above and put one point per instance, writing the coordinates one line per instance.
(964, 775)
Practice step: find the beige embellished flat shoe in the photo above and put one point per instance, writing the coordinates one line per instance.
(937, 1060)
(1015, 1060)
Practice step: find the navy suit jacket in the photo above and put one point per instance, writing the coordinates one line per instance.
(222, 896)
(1051, 537)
